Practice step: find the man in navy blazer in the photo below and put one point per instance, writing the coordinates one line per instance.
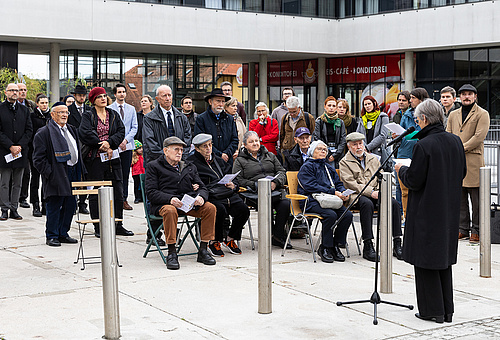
(57, 157)
(129, 118)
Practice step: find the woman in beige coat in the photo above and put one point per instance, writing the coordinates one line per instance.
(231, 107)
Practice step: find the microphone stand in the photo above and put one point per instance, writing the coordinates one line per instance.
(375, 297)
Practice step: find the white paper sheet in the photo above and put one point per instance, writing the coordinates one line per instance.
(128, 146)
(105, 158)
(187, 203)
(396, 128)
(347, 192)
(228, 178)
(9, 157)
(404, 161)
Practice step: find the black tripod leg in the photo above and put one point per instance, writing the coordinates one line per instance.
(410, 307)
(375, 321)
(340, 303)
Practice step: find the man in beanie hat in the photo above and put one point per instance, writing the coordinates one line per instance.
(356, 169)
(221, 126)
(471, 123)
(76, 111)
(15, 133)
(57, 157)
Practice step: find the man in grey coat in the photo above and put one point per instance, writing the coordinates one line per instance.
(164, 121)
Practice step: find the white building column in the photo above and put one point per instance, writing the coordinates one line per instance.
(408, 70)
(263, 79)
(322, 93)
(54, 72)
(251, 91)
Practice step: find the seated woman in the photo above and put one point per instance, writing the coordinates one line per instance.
(255, 162)
(372, 125)
(317, 176)
(330, 129)
(211, 169)
(265, 126)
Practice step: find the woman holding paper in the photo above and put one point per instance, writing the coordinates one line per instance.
(318, 176)
(212, 170)
(255, 162)
(101, 132)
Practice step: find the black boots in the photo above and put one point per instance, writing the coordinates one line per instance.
(36, 210)
(369, 251)
(397, 249)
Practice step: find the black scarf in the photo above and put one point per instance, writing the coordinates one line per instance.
(61, 149)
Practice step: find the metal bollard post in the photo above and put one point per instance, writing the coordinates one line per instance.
(498, 174)
(484, 222)
(385, 211)
(109, 264)
(264, 221)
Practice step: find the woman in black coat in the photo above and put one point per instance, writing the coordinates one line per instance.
(255, 162)
(434, 180)
(101, 132)
(212, 169)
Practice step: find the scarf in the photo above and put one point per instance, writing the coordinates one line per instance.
(370, 116)
(347, 120)
(334, 120)
(61, 149)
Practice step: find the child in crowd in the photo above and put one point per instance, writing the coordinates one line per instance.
(137, 169)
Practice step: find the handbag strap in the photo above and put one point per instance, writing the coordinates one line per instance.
(329, 177)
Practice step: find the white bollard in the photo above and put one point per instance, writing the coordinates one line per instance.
(385, 211)
(265, 257)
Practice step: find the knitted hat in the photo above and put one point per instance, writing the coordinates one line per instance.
(96, 91)
(313, 147)
(137, 144)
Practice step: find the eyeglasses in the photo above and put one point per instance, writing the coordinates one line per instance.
(12, 90)
(205, 146)
(23, 90)
(321, 149)
(415, 119)
(226, 90)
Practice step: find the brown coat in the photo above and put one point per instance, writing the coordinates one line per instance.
(355, 177)
(472, 133)
(286, 133)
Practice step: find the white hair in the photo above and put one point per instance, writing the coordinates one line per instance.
(162, 87)
(293, 102)
(259, 104)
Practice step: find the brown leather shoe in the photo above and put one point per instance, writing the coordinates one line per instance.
(462, 236)
(474, 238)
(127, 206)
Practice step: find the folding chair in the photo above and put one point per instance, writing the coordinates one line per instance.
(297, 212)
(184, 220)
(80, 188)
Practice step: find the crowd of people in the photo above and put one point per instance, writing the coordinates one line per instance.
(183, 153)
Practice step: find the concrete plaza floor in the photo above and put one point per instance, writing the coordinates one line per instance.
(44, 295)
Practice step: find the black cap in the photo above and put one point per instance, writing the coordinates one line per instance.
(467, 87)
(79, 89)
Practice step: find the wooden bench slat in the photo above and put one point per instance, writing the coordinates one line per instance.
(85, 191)
(91, 184)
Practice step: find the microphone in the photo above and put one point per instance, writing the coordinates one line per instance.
(403, 135)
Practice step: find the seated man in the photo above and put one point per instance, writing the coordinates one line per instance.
(294, 158)
(212, 169)
(356, 169)
(168, 179)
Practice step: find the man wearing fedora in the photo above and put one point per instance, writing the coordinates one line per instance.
(471, 123)
(76, 111)
(217, 123)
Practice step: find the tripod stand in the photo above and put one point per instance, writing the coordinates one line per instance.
(375, 297)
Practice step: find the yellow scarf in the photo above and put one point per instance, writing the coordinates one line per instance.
(370, 116)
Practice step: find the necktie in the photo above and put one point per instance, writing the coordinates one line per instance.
(80, 109)
(170, 126)
(121, 111)
(72, 150)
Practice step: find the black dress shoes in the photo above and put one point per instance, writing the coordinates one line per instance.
(337, 254)
(83, 210)
(325, 254)
(437, 319)
(280, 243)
(448, 317)
(172, 261)
(161, 243)
(24, 204)
(36, 210)
(97, 232)
(5, 215)
(67, 239)
(397, 249)
(53, 242)
(15, 216)
(123, 232)
(205, 257)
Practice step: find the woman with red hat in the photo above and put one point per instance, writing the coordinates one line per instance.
(101, 132)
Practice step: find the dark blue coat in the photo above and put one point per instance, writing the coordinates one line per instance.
(313, 178)
(223, 131)
(54, 174)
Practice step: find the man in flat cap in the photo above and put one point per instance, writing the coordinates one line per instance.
(471, 123)
(57, 158)
(356, 169)
(168, 179)
(221, 126)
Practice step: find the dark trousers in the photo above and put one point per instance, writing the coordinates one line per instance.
(330, 216)
(25, 182)
(240, 213)
(60, 211)
(282, 207)
(366, 209)
(434, 291)
(118, 203)
(465, 222)
(126, 160)
(137, 187)
(10, 187)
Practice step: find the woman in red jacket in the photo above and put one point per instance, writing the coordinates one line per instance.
(266, 127)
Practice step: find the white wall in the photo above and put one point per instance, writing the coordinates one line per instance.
(144, 27)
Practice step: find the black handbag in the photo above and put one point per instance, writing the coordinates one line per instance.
(219, 192)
